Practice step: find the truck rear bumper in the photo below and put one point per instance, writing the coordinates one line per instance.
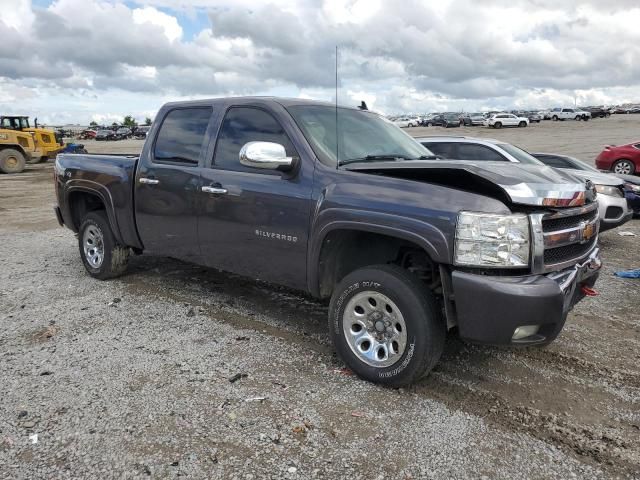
(490, 309)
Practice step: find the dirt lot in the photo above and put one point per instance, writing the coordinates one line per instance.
(130, 378)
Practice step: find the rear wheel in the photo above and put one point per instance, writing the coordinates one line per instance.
(101, 254)
(624, 167)
(385, 325)
(554, 118)
(11, 161)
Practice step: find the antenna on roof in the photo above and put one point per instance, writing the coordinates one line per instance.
(363, 105)
(337, 138)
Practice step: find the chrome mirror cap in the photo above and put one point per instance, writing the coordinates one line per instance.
(267, 155)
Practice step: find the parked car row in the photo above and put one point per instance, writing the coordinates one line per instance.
(118, 133)
(533, 116)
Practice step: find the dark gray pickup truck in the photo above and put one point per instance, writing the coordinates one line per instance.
(406, 246)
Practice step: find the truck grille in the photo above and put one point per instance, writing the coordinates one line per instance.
(569, 235)
(562, 223)
(554, 256)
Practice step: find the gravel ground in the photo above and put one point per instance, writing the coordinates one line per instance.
(131, 378)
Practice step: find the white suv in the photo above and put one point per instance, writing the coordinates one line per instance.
(569, 114)
(499, 120)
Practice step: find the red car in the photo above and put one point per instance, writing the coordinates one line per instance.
(87, 134)
(623, 159)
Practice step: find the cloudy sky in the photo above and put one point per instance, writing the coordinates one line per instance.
(80, 60)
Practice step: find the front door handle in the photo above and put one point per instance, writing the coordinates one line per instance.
(216, 190)
(149, 181)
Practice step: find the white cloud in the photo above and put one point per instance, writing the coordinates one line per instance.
(170, 25)
(92, 56)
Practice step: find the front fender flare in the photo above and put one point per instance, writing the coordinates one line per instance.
(430, 238)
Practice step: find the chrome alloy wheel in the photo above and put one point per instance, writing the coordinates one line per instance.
(622, 168)
(93, 245)
(374, 329)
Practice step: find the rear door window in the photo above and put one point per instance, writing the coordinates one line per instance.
(442, 149)
(474, 151)
(181, 136)
(553, 161)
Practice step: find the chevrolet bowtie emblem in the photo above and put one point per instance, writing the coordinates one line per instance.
(588, 231)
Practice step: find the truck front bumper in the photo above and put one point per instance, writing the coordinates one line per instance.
(489, 309)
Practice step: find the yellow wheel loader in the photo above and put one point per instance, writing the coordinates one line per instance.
(16, 149)
(45, 139)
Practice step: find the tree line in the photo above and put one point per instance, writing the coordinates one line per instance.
(128, 121)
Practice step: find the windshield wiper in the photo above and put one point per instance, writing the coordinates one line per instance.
(373, 158)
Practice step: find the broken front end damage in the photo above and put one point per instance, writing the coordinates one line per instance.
(525, 310)
(529, 305)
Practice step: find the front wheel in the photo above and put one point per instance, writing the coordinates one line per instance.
(522, 124)
(554, 118)
(103, 257)
(385, 325)
(497, 125)
(11, 161)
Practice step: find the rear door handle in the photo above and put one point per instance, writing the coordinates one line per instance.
(216, 190)
(149, 181)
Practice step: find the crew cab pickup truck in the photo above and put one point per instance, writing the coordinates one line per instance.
(405, 245)
(569, 114)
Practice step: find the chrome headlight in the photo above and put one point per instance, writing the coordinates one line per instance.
(492, 240)
(609, 190)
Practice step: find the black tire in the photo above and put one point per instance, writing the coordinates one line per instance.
(607, 115)
(554, 118)
(497, 125)
(522, 124)
(578, 118)
(429, 124)
(11, 161)
(115, 256)
(586, 118)
(425, 329)
(43, 159)
(624, 167)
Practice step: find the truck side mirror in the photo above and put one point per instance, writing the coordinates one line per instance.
(268, 155)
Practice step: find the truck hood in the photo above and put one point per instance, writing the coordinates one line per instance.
(596, 177)
(535, 185)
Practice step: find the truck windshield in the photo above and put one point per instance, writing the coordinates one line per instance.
(362, 136)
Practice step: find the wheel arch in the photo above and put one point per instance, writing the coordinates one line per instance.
(82, 198)
(16, 146)
(344, 246)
